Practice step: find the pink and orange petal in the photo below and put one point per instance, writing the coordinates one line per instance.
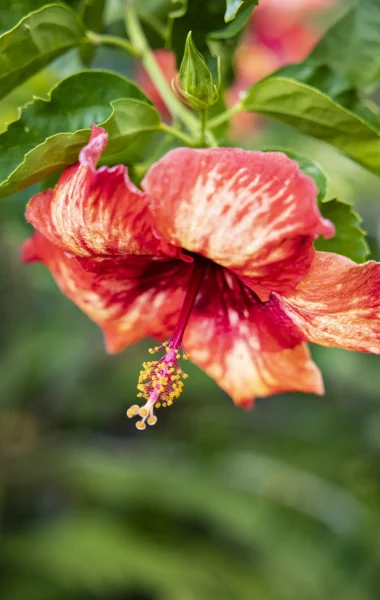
(252, 212)
(93, 213)
(250, 348)
(128, 298)
(337, 303)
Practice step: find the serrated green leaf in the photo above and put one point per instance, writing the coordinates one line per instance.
(313, 112)
(351, 47)
(49, 134)
(235, 7)
(349, 239)
(35, 41)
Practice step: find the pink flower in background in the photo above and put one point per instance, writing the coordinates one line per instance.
(281, 32)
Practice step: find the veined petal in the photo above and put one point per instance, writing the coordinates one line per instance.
(337, 303)
(250, 348)
(128, 298)
(96, 212)
(253, 212)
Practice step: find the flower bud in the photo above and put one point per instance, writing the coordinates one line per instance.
(195, 84)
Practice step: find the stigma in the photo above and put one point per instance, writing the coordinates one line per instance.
(160, 383)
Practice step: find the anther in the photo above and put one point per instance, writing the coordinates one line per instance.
(159, 383)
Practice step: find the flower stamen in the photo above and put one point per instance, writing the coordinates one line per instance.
(161, 381)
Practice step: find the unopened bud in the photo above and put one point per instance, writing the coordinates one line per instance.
(195, 84)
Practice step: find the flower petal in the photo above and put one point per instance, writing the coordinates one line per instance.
(96, 213)
(250, 348)
(253, 212)
(129, 299)
(337, 303)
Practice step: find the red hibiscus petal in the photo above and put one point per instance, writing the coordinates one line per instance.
(129, 299)
(249, 211)
(96, 213)
(250, 348)
(337, 303)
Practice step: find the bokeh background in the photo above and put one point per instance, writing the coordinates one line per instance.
(282, 503)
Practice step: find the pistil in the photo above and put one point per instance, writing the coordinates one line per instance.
(161, 381)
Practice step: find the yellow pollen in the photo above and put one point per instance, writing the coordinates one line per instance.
(159, 383)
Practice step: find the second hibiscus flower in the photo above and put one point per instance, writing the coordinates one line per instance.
(216, 256)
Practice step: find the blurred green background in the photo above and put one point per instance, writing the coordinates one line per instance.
(282, 503)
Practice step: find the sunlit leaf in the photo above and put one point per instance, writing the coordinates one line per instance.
(237, 6)
(49, 134)
(12, 12)
(35, 41)
(313, 112)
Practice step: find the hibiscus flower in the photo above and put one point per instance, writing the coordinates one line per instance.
(216, 257)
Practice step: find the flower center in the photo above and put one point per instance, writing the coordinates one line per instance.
(161, 381)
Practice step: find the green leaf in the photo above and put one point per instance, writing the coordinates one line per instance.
(49, 134)
(12, 12)
(350, 239)
(235, 7)
(157, 17)
(324, 79)
(92, 12)
(35, 41)
(351, 48)
(313, 112)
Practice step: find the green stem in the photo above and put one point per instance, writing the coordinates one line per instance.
(203, 116)
(225, 116)
(113, 40)
(138, 39)
(140, 169)
(178, 134)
